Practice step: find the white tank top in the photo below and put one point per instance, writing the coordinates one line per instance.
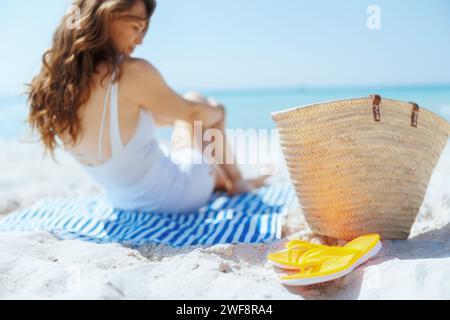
(139, 175)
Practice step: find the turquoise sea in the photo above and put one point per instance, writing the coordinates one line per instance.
(251, 108)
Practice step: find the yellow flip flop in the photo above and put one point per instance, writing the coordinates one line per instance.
(324, 264)
(289, 258)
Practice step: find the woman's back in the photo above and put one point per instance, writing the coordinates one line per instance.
(137, 174)
(86, 151)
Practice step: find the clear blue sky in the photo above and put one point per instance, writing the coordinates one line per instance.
(214, 44)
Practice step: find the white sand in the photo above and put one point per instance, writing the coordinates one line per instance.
(36, 265)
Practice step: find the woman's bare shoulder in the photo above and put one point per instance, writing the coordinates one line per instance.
(138, 79)
(138, 68)
(145, 83)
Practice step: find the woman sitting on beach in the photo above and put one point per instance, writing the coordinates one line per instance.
(77, 90)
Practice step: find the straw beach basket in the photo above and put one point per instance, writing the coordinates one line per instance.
(361, 165)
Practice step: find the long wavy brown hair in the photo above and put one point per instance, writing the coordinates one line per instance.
(64, 83)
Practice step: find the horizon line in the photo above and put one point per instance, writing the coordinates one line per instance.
(292, 88)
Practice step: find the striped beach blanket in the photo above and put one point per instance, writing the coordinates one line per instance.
(247, 218)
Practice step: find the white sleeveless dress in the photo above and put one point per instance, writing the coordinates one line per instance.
(142, 175)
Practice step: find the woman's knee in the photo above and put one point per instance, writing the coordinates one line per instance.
(197, 97)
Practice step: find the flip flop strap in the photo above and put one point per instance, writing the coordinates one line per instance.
(317, 256)
(300, 244)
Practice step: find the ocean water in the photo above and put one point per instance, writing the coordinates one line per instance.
(249, 109)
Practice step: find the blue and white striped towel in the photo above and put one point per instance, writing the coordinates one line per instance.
(247, 218)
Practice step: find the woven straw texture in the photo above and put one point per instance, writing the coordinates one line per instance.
(354, 175)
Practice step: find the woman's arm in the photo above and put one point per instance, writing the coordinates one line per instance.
(153, 94)
(163, 122)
